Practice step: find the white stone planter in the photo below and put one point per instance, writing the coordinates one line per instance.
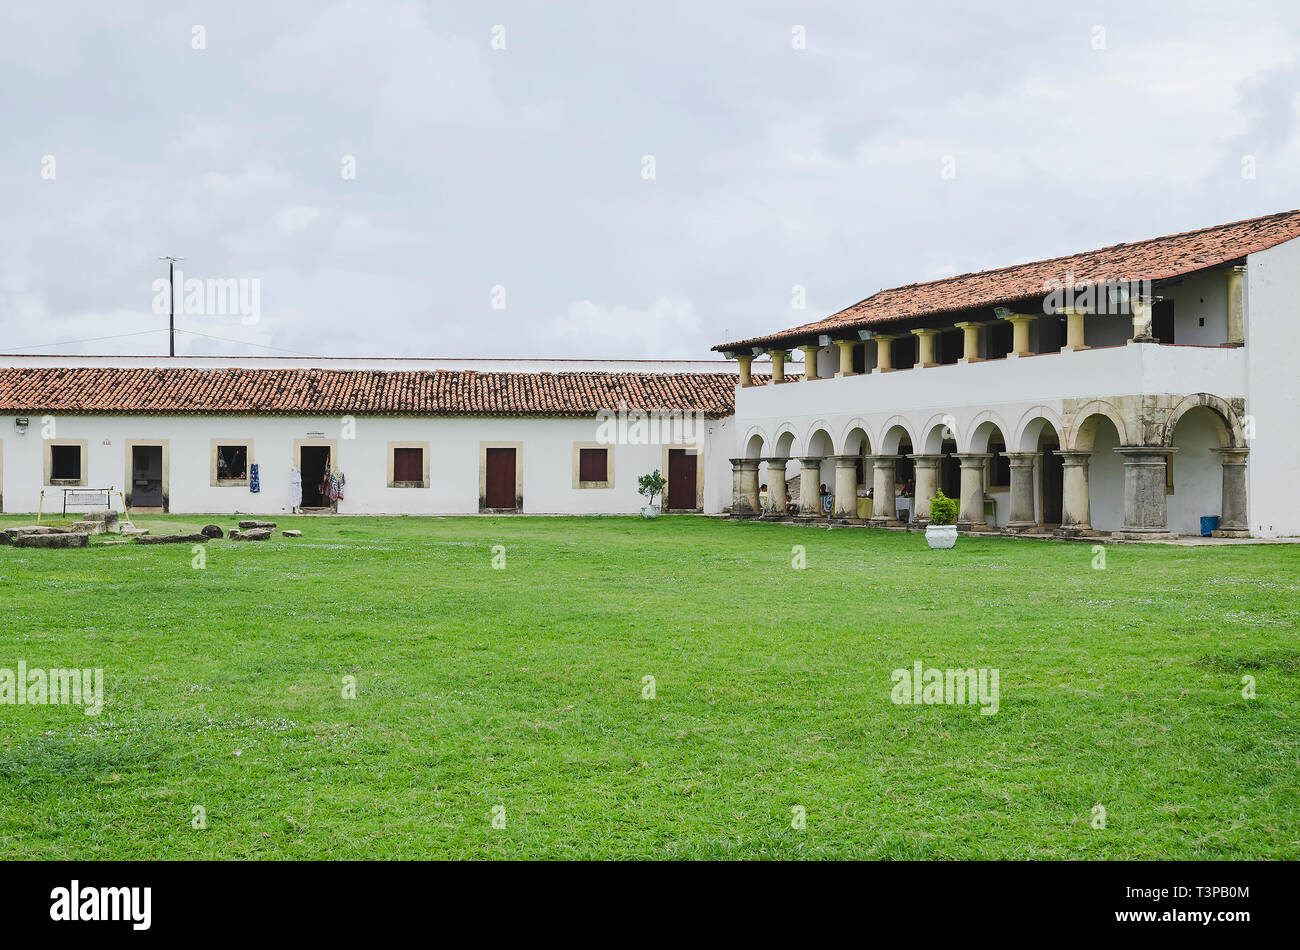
(941, 535)
(652, 511)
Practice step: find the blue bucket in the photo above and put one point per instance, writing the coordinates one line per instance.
(1208, 524)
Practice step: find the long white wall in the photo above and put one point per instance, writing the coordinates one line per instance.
(546, 457)
(1272, 342)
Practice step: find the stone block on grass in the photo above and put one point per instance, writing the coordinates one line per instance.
(52, 540)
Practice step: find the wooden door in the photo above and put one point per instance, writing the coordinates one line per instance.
(682, 475)
(500, 478)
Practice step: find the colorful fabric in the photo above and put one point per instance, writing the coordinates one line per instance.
(254, 484)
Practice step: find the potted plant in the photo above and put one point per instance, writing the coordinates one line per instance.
(941, 532)
(652, 486)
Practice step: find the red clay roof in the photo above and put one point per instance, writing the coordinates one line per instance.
(94, 390)
(1155, 259)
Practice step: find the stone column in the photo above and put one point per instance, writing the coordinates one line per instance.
(846, 489)
(926, 487)
(749, 486)
(810, 361)
(778, 364)
(970, 341)
(1022, 517)
(1236, 306)
(1146, 516)
(1074, 328)
(1020, 333)
(884, 353)
(884, 502)
(745, 362)
(970, 514)
(1141, 321)
(1232, 509)
(925, 347)
(738, 500)
(776, 493)
(1076, 513)
(846, 357)
(810, 484)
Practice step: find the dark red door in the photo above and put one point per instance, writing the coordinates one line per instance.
(681, 478)
(500, 478)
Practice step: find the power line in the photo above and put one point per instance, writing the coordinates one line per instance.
(245, 342)
(93, 339)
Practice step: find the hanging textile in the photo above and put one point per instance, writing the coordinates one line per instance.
(254, 484)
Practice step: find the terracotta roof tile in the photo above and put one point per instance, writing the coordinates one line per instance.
(363, 392)
(1155, 259)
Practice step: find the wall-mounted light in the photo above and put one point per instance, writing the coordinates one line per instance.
(1002, 312)
(20, 423)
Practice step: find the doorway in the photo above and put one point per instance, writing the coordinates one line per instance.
(1053, 487)
(315, 464)
(683, 472)
(950, 470)
(499, 491)
(146, 476)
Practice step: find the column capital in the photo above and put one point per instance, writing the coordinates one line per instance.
(970, 323)
(925, 459)
(1231, 455)
(1020, 459)
(1138, 452)
(810, 461)
(881, 458)
(925, 331)
(846, 461)
(1073, 456)
(973, 457)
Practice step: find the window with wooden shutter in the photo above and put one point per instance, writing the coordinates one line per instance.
(408, 467)
(593, 465)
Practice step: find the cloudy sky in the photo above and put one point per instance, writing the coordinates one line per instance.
(601, 179)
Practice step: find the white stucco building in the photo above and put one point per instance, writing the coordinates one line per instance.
(1130, 390)
(408, 436)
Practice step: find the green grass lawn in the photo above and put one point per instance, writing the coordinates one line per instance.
(522, 688)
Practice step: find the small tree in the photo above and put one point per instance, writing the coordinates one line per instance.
(943, 510)
(651, 485)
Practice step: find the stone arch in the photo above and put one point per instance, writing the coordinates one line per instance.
(786, 443)
(892, 433)
(1030, 429)
(1082, 431)
(1229, 426)
(854, 436)
(755, 443)
(937, 429)
(981, 427)
(819, 441)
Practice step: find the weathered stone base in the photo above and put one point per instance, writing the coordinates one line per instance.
(1076, 531)
(1230, 533)
(245, 525)
(1021, 527)
(1139, 535)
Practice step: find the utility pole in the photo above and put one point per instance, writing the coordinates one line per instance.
(171, 292)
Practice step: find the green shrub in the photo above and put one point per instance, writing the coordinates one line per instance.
(943, 510)
(651, 485)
